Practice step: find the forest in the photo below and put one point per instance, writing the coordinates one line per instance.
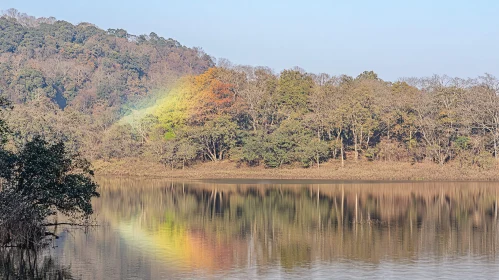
(109, 95)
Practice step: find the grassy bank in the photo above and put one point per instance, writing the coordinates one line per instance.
(331, 170)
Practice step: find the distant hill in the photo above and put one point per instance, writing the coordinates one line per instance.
(85, 67)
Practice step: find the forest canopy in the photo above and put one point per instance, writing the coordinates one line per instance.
(110, 94)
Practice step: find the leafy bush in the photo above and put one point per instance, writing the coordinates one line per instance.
(41, 180)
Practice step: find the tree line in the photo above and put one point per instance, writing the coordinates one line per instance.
(89, 87)
(256, 117)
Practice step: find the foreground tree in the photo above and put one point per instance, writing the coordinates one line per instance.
(36, 183)
(40, 181)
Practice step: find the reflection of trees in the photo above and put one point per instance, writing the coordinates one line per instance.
(294, 224)
(27, 264)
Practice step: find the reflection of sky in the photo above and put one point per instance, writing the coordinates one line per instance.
(457, 268)
(154, 233)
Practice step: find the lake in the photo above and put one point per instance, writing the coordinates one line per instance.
(292, 229)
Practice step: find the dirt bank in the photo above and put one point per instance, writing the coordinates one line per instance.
(331, 170)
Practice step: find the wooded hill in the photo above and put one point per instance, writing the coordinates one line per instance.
(110, 94)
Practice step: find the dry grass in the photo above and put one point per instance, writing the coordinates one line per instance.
(332, 170)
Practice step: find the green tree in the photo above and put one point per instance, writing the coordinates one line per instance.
(12, 34)
(30, 84)
(53, 179)
(360, 111)
(280, 147)
(253, 150)
(313, 151)
(292, 92)
(36, 183)
(368, 75)
(215, 137)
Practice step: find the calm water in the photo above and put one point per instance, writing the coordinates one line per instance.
(157, 229)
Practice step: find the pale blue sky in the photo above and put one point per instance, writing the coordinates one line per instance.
(393, 38)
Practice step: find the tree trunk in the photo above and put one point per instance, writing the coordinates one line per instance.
(356, 153)
(388, 128)
(495, 145)
(495, 209)
(253, 118)
(342, 205)
(342, 153)
(356, 208)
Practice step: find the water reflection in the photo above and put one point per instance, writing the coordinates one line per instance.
(154, 229)
(18, 263)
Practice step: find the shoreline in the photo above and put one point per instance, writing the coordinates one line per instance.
(332, 171)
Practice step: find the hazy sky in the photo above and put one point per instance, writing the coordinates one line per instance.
(393, 38)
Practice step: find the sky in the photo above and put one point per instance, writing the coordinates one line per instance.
(405, 38)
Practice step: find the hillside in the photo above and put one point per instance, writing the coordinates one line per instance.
(96, 76)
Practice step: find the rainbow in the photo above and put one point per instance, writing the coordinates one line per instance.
(174, 243)
(189, 97)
